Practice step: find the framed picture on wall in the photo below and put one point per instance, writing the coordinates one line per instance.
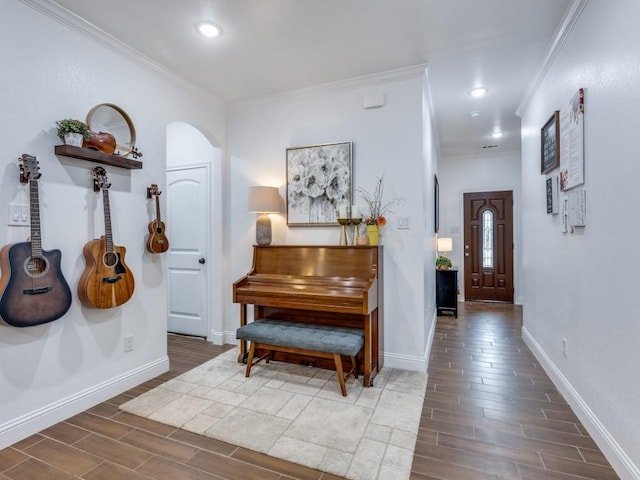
(552, 194)
(319, 180)
(436, 204)
(550, 144)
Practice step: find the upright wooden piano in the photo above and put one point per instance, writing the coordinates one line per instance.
(329, 285)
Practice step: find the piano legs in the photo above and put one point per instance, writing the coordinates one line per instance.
(242, 357)
(367, 378)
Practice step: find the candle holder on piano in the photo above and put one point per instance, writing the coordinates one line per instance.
(343, 230)
(355, 222)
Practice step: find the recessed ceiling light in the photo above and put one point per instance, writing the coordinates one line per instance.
(496, 134)
(478, 92)
(209, 29)
(474, 114)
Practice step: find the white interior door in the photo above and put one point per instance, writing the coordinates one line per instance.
(188, 224)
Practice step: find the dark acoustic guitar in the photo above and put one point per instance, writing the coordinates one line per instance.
(34, 291)
(157, 241)
(107, 281)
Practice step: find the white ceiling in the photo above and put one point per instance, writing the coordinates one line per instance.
(274, 46)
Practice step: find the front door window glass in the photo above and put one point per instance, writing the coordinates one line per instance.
(487, 239)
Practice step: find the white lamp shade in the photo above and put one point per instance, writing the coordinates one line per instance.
(445, 244)
(264, 200)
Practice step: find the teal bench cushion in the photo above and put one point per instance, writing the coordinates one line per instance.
(318, 338)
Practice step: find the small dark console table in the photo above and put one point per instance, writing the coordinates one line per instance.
(447, 291)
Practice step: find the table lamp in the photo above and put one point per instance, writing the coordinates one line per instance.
(445, 245)
(264, 200)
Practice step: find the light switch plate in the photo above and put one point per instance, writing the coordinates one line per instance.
(404, 223)
(18, 215)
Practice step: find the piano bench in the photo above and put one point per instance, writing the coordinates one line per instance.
(305, 339)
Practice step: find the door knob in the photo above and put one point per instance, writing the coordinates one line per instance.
(201, 260)
(466, 254)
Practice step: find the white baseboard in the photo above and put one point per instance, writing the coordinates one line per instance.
(405, 362)
(411, 362)
(217, 338)
(432, 332)
(227, 338)
(33, 422)
(620, 461)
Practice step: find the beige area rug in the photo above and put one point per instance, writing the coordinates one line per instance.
(297, 413)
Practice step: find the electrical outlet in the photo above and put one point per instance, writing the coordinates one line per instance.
(128, 343)
(564, 347)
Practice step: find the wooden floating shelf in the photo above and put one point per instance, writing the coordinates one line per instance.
(97, 157)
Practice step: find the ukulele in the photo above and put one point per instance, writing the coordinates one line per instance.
(106, 281)
(157, 241)
(34, 291)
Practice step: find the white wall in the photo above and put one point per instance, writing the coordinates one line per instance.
(430, 162)
(386, 141)
(577, 286)
(460, 175)
(50, 71)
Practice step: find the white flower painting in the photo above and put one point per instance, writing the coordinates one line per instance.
(318, 181)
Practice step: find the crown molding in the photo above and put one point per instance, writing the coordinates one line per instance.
(58, 13)
(514, 153)
(405, 73)
(572, 13)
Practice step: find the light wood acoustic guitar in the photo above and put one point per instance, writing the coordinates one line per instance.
(107, 281)
(157, 241)
(33, 289)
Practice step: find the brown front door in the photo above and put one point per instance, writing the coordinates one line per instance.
(488, 246)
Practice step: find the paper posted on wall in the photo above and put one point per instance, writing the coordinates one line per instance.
(572, 142)
(577, 209)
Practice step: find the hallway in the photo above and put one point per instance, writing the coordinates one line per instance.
(490, 412)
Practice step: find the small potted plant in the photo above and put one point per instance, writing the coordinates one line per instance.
(72, 132)
(443, 263)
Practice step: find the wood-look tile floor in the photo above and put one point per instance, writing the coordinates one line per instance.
(490, 412)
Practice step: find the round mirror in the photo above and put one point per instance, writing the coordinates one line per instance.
(109, 118)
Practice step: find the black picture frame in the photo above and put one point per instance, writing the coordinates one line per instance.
(436, 204)
(550, 144)
(552, 194)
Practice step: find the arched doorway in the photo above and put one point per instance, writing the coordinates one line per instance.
(193, 261)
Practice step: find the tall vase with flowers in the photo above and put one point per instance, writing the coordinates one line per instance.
(377, 209)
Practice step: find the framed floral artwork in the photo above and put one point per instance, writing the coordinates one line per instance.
(319, 180)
